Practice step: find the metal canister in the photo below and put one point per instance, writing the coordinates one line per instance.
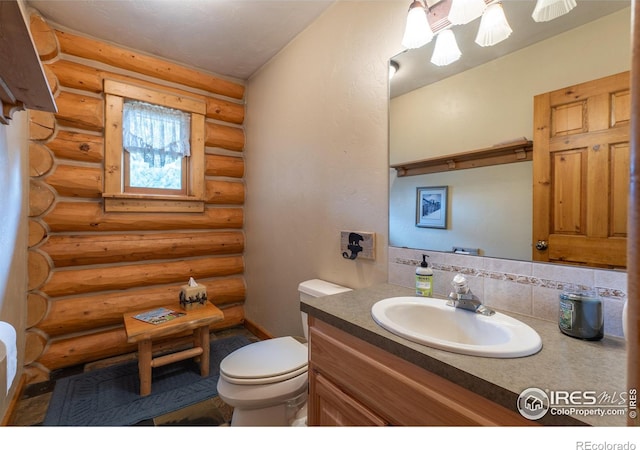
(580, 314)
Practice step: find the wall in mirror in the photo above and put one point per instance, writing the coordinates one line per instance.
(490, 220)
(490, 208)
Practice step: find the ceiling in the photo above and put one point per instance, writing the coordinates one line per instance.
(416, 70)
(232, 38)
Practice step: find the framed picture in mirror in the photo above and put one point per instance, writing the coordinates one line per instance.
(431, 207)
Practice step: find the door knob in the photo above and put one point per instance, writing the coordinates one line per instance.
(542, 245)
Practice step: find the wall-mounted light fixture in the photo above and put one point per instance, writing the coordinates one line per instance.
(494, 27)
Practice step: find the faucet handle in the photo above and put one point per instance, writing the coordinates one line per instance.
(460, 284)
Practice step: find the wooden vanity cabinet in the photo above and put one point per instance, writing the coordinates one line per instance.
(352, 382)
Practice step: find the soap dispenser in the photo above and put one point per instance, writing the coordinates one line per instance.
(424, 279)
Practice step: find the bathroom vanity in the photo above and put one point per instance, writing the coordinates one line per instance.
(361, 374)
(352, 382)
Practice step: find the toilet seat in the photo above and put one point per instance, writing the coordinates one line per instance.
(265, 362)
(247, 396)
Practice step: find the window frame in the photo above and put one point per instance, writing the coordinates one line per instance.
(116, 199)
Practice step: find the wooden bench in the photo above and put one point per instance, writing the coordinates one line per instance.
(197, 319)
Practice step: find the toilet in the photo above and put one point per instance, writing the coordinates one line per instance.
(266, 382)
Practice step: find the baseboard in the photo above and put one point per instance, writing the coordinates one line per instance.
(257, 330)
(7, 420)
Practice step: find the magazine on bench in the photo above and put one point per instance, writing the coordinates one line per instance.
(158, 315)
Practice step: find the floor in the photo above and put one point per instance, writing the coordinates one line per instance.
(32, 406)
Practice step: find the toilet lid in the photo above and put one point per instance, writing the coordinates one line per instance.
(266, 361)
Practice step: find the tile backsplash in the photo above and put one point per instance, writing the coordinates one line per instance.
(527, 288)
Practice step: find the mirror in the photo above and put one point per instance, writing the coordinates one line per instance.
(484, 99)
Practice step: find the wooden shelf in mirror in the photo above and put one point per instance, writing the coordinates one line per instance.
(511, 152)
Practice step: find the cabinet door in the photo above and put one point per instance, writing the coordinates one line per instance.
(330, 406)
(581, 173)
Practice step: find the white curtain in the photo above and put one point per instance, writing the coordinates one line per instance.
(157, 134)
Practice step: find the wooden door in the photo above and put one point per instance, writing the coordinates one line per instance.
(581, 173)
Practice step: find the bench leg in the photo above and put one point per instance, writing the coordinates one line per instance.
(144, 366)
(203, 338)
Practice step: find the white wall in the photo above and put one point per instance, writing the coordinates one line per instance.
(316, 158)
(485, 211)
(14, 227)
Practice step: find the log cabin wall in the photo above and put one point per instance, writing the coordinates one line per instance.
(86, 267)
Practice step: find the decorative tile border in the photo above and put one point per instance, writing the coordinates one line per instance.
(603, 292)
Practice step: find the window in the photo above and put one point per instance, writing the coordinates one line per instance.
(154, 150)
(156, 144)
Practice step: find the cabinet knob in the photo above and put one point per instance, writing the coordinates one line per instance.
(542, 245)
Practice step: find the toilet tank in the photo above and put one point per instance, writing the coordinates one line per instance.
(313, 289)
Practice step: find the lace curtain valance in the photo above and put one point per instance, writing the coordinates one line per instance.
(157, 134)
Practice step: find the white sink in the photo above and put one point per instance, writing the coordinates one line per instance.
(431, 322)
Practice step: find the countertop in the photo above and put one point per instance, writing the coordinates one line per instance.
(563, 364)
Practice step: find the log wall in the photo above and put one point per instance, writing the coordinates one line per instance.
(86, 267)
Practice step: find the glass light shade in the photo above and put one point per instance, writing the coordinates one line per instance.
(417, 32)
(464, 11)
(494, 27)
(546, 10)
(393, 68)
(446, 50)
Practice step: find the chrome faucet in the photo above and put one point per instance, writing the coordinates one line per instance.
(469, 302)
(463, 298)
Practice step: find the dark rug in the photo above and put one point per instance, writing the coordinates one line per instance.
(110, 396)
(212, 412)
